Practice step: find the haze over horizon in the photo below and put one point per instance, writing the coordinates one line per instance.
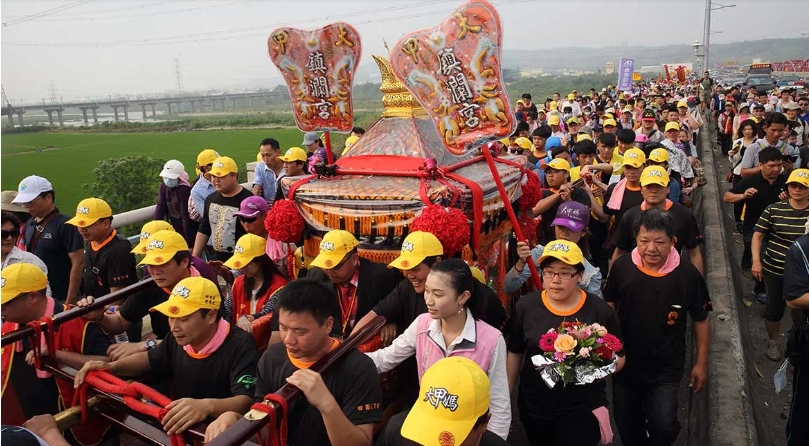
(90, 48)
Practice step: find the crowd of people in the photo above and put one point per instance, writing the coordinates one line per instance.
(616, 245)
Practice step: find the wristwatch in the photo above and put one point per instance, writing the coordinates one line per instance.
(150, 344)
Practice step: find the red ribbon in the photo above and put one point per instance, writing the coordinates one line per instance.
(276, 435)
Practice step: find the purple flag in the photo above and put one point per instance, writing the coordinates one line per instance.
(625, 71)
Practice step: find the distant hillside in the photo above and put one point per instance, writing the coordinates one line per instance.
(773, 50)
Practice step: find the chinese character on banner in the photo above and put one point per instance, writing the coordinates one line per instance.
(318, 67)
(625, 74)
(454, 71)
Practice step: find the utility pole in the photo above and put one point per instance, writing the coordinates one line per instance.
(706, 37)
(178, 75)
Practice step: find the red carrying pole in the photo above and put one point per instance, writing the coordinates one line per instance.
(511, 215)
(329, 154)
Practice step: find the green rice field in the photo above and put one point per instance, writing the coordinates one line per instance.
(68, 159)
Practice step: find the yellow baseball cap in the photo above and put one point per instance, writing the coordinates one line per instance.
(189, 295)
(162, 246)
(672, 126)
(563, 250)
(583, 137)
(554, 120)
(293, 154)
(206, 157)
(553, 105)
(634, 157)
(654, 175)
(682, 103)
(609, 115)
(258, 158)
(416, 247)
(223, 166)
(478, 274)
(89, 211)
(351, 140)
(248, 247)
(659, 155)
(573, 120)
(19, 278)
(523, 143)
(611, 122)
(557, 164)
(147, 230)
(454, 393)
(571, 97)
(800, 176)
(333, 248)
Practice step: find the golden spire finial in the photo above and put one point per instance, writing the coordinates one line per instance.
(396, 99)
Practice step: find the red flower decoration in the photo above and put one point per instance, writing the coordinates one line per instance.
(603, 352)
(284, 222)
(531, 191)
(450, 226)
(612, 342)
(547, 340)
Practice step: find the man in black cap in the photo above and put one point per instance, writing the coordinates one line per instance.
(648, 126)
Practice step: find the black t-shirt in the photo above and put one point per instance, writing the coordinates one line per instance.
(796, 273)
(686, 229)
(755, 205)
(578, 194)
(219, 221)
(403, 305)
(113, 265)
(652, 311)
(227, 372)
(631, 199)
(392, 434)
(56, 242)
(41, 396)
(532, 319)
(353, 382)
(137, 305)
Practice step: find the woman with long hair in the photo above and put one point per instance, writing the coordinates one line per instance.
(449, 328)
(746, 135)
(252, 299)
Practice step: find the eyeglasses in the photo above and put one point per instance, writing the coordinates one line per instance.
(342, 262)
(563, 275)
(31, 203)
(247, 219)
(14, 233)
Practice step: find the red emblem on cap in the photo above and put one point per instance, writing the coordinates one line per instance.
(80, 222)
(158, 259)
(446, 439)
(405, 263)
(237, 264)
(328, 263)
(174, 310)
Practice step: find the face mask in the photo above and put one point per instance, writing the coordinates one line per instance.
(171, 182)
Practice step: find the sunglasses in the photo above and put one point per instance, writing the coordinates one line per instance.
(247, 219)
(14, 233)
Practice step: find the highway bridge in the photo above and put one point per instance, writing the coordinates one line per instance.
(121, 105)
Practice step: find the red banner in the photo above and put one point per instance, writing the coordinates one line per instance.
(454, 70)
(318, 67)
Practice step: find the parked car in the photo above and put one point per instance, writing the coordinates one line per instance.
(789, 80)
(762, 83)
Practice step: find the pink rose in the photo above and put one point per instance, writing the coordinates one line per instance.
(598, 329)
(584, 352)
(584, 333)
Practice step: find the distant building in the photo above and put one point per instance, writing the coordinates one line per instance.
(610, 69)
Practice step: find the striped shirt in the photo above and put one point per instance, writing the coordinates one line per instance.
(781, 224)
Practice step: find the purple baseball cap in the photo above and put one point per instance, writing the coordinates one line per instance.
(572, 215)
(252, 206)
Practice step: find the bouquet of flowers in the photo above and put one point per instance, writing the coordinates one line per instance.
(576, 353)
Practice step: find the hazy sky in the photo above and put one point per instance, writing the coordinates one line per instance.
(96, 48)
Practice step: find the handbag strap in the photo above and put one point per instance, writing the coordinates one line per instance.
(39, 229)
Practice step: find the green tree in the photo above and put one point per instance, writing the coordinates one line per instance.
(127, 183)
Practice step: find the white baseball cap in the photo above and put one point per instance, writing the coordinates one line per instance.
(172, 169)
(30, 188)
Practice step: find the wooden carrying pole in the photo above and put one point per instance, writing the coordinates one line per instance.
(487, 153)
(75, 312)
(254, 421)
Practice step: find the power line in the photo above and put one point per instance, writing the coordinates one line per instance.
(195, 37)
(44, 13)
(152, 13)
